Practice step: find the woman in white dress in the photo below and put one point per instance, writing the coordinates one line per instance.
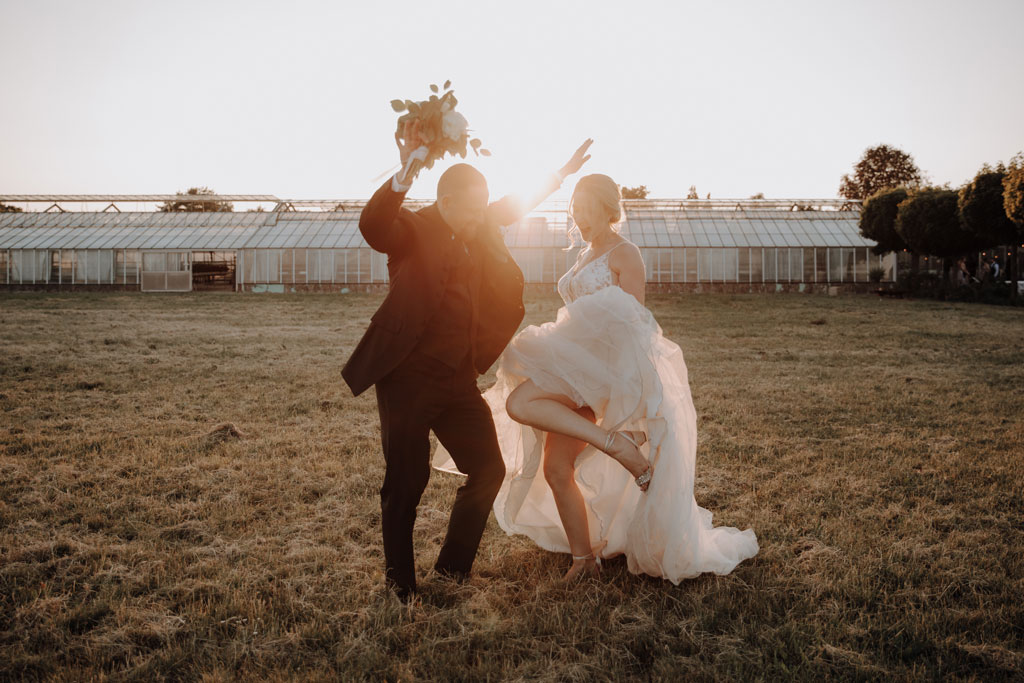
(602, 379)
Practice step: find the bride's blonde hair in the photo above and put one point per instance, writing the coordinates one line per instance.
(601, 193)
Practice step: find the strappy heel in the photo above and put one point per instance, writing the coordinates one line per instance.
(643, 480)
(586, 569)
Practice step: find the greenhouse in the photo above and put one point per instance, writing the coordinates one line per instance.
(295, 245)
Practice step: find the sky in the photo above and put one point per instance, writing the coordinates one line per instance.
(292, 99)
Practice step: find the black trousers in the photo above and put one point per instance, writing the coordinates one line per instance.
(419, 395)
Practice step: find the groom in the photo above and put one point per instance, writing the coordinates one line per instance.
(455, 300)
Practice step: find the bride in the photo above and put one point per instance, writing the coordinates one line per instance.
(601, 380)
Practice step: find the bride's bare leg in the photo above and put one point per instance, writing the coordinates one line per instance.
(529, 405)
(559, 470)
(560, 453)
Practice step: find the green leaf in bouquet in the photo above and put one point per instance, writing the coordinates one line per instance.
(433, 88)
(486, 152)
(475, 143)
(398, 105)
(447, 84)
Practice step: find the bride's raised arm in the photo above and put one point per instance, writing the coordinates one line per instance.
(511, 208)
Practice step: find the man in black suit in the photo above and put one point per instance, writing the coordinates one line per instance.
(455, 300)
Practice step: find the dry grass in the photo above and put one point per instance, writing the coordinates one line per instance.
(874, 446)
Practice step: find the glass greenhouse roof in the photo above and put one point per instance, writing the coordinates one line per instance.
(648, 226)
(754, 228)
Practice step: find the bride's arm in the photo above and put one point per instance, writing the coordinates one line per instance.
(511, 208)
(628, 265)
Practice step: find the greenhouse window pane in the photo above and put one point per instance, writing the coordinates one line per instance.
(862, 264)
(690, 265)
(705, 264)
(287, 263)
(821, 264)
(796, 265)
(756, 266)
(835, 265)
(340, 266)
(769, 257)
(726, 268)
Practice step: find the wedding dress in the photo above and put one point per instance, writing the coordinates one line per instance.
(607, 351)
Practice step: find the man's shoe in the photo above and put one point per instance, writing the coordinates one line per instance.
(456, 575)
(404, 593)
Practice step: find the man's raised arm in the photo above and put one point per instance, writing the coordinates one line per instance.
(379, 222)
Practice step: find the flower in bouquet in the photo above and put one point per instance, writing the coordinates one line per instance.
(442, 130)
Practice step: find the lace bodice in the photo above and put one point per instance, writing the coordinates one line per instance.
(591, 277)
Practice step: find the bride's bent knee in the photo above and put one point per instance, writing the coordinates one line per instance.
(515, 405)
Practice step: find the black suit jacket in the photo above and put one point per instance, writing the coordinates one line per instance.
(415, 243)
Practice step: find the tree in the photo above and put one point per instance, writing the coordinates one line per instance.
(638, 192)
(880, 168)
(7, 208)
(1013, 205)
(929, 222)
(878, 220)
(692, 194)
(982, 212)
(196, 204)
(878, 223)
(1013, 191)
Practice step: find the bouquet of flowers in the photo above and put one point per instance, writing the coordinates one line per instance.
(440, 128)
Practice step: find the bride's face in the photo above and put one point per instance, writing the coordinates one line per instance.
(589, 218)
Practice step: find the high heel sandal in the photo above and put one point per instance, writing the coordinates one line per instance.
(643, 480)
(586, 569)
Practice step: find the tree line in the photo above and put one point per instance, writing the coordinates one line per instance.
(902, 212)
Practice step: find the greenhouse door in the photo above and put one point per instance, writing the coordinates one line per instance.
(166, 271)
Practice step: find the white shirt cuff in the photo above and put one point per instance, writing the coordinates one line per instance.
(397, 186)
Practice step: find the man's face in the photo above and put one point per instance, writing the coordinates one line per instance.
(464, 211)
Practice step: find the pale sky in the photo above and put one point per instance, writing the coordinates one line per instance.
(291, 98)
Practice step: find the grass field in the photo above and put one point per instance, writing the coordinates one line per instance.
(874, 446)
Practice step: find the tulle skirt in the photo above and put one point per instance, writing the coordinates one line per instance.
(605, 350)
